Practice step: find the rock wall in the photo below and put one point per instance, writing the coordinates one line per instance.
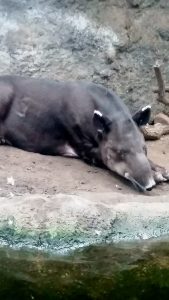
(113, 42)
(63, 223)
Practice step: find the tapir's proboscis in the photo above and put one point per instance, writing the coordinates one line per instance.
(77, 119)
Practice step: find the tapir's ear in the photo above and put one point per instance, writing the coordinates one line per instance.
(101, 122)
(142, 116)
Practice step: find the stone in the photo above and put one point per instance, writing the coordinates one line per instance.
(110, 55)
(134, 3)
(164, 4)
(164, 34)
(162, 119)
(142, 3)
(154, 132)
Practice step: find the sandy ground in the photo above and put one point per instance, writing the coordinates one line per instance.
(34, 173)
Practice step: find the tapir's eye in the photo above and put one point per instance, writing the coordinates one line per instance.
(121, 154)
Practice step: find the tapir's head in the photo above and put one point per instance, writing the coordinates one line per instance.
(122, 146)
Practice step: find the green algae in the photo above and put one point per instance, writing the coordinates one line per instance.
(54, 238)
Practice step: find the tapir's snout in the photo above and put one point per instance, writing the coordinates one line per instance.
(136, 168)
(139, 172)
(151, 183)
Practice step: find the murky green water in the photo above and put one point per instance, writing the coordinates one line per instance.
(126, 271)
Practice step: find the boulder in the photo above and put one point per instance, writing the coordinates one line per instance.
(162, 119)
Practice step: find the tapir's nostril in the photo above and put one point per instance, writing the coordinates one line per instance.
(149, 189)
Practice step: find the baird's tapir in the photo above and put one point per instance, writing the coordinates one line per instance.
(77, 119)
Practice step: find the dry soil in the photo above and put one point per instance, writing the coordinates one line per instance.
(35, 173)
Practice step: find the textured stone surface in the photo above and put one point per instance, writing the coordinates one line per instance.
(142, 3)
(66, 222)
(109, 42)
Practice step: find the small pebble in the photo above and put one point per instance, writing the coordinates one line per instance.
(11, 181)
(118, 187)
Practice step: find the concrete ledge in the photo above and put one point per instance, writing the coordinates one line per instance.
(66, 222)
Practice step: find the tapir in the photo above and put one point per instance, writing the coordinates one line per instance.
(77, 119)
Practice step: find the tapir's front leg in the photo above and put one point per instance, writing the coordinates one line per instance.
(160, 173)
(91, 155)
(86, 148)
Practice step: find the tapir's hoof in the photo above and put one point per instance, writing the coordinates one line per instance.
(166, 174)
(161, 175)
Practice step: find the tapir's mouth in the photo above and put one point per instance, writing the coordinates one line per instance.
(136, 184)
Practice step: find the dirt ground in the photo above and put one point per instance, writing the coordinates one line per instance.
(35, 173)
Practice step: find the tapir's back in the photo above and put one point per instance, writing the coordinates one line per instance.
(76, 95)
(40, 112)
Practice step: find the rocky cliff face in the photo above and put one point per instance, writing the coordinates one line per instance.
(113, 42)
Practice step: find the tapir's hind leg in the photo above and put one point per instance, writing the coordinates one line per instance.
(6, 98)
(67, 151)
